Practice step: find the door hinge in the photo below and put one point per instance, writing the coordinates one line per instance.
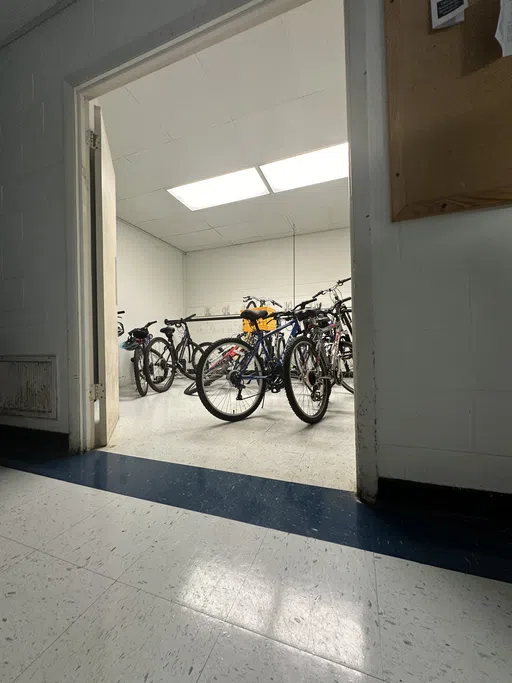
(96, 392)
(93, 140)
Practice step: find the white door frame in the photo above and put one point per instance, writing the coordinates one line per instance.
(362, 24)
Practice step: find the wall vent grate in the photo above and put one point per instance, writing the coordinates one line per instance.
(28, 386)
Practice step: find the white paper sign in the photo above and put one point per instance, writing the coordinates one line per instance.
(447, 12)
(504, 30)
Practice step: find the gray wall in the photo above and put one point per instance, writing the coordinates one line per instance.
(442, 328)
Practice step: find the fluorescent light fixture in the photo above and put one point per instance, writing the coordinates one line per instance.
(312, 168)
(224, 189)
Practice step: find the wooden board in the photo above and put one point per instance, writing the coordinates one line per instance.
(450, 111)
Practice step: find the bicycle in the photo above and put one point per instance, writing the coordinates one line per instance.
(233, 374)
(138, 340)
(323, 353)
(162, 358)
(120, 326)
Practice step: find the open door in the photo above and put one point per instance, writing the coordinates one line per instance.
(105, 239)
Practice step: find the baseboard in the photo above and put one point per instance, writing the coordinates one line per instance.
(34, 443)
(466, 502)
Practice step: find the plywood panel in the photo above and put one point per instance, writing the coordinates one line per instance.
(450, 108)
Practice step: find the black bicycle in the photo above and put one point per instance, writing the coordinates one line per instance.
(163, 357)
(138, 340)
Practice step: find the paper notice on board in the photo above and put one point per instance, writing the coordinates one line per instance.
(447, 12)
(504, 30)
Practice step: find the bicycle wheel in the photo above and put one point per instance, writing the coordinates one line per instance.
(198, 352)
(230, 379)
(159, 364)
(346, 366)
(185, 365)
(305, 380)
(138, 370)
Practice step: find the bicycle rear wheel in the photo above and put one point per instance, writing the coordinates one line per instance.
(230, 380)
(305, 380)
(346, 369)
(138, 370)
(160, 364)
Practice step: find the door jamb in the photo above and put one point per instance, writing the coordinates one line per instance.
(358, 24)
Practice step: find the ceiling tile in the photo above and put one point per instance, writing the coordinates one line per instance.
(261, 209)
(166, 228)
(146, 207)
(280, 226)
(315, 34)
(253, 70)
(130, 127)
(303, 125)
(209, 153)
(207, 239)
(182, 97)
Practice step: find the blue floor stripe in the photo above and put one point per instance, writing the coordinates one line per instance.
(479, 547)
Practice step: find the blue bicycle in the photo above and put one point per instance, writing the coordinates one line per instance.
(234, 374)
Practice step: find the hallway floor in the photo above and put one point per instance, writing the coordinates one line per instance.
(272, 443)
(97, 587)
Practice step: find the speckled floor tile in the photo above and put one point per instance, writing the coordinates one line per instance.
(110, 540)
(38, 521)
(131, 637)
(11, 552)
(200, 562)
(17, 488)
(316, 596)
(240, 656)
(443, 626)
(271, 443)
(40, 597)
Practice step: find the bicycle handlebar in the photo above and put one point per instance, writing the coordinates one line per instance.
(120, 312)
(179, 321)
(262, 300)
(151, 323)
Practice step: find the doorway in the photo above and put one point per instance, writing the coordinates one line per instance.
(293, 234)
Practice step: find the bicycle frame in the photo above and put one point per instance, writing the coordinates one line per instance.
(262, 337)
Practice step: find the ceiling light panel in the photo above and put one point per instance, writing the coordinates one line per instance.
(312, 168)
(224, 189)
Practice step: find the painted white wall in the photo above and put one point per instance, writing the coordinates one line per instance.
(442, 327)
(218, 279)
(81, 42)
(149, 285)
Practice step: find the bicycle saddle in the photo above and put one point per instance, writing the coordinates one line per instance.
(168, 330)
(252, 315)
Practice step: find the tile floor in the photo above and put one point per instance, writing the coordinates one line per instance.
(97, 588)
(273, 443)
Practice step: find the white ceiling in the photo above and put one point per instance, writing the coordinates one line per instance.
(272, 92)
(14, 14)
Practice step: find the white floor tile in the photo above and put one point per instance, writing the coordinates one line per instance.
(316, 596)
(331, 466)
(40, 597)
(17, 488)
(176, 428)
(11, 552)
(129, 637)
(443, 626)
(110, 540)
(243, 657)
(38, 521)
(201, 562)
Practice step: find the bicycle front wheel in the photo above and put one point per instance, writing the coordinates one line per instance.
(138, 370)
(230, 379)
(307, 385)
(159, 364)
(198, 352)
